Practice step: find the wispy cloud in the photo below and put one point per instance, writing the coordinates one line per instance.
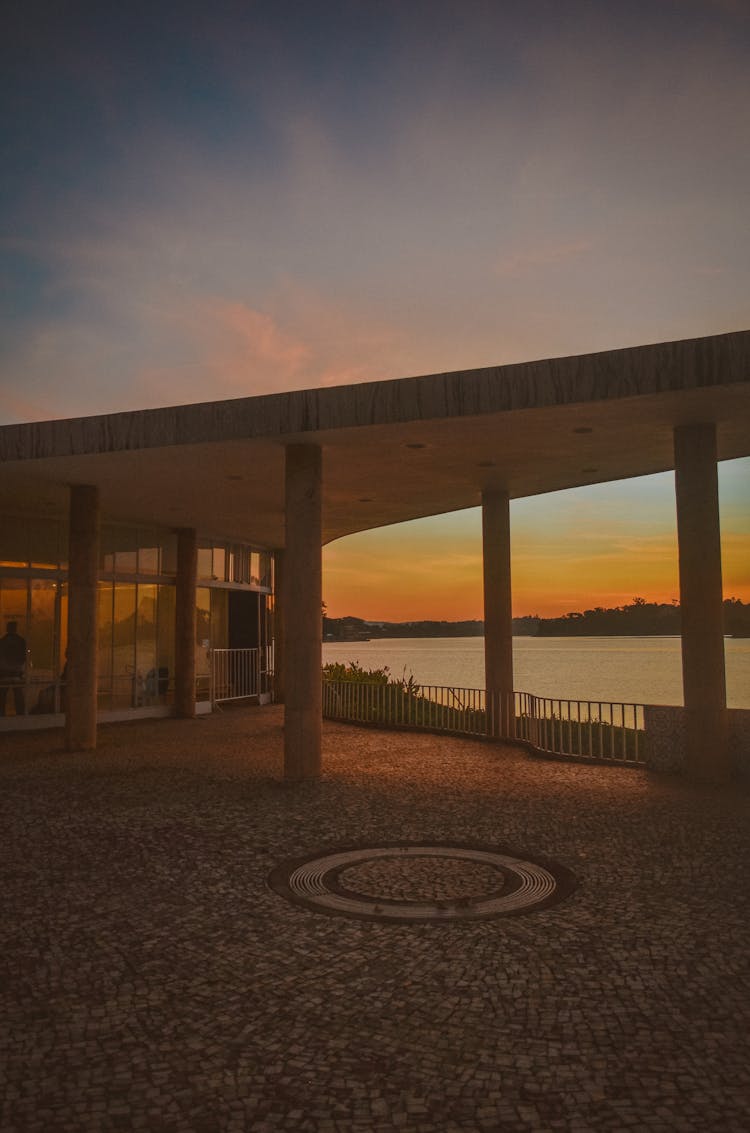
(17, 408)
(515, 263)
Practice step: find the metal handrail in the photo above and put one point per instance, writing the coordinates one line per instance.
(606, 731)
(240, 673)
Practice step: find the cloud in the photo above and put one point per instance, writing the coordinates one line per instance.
(233, 350)
(14, 407)
(517, 263)
(504, 196)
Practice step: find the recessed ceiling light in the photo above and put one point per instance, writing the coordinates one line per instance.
(486, 464)
(583, 429)
(414, 444)
(235, 477)
(589, 471)
(365, 499)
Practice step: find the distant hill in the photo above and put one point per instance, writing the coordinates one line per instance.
(639, 619)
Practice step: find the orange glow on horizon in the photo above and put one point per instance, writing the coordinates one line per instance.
(379, 603)
(571, 551)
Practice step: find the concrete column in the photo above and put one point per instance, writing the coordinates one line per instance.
(301, 600)
(498, 616)
(278, 627)
(83, 577)
(703, 678)
(184, 623)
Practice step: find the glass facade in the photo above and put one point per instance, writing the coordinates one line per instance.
(136, 612)
(234, 563)
(34, 542)
(33, 558)
(136, 643)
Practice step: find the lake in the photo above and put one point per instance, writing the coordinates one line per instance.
(643, 670)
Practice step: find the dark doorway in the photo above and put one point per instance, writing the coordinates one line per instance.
(243, 620)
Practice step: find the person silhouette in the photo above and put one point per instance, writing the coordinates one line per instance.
(12, 666)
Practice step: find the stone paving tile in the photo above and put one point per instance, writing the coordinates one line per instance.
(151, 980)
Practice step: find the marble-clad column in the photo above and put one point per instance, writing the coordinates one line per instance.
(701, 602)
(498, 616)
(301, 600)
(278, 627)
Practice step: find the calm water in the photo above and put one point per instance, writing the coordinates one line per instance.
(644, 670)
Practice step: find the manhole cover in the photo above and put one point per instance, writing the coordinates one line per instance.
(422, 882)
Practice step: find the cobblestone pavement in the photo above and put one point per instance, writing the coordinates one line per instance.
(152, 980)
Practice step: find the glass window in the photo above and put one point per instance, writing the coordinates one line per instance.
(13, 603)
(14, 543)
(202, 630)
(255, 568)
(41, 628)
(105, 597)
(123, 645)
(44, 540)
(165, 641)
(126, 552)
(148, 553)
(169, 553)
(219, 564)
(239, 570)
(205, 562)
(41, 666)
(145, 687)
(220, 618)
(107, 550)
(62, 539)
(13, 608)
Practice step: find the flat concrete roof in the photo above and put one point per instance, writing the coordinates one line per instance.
(393, 450)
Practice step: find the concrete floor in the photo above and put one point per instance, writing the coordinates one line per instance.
(151, 980)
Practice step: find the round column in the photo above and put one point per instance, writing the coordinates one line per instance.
(498, 614)
(301, 597)
(278, 627)
(701, 602)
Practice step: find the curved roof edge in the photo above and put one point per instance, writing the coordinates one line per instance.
(682, 365)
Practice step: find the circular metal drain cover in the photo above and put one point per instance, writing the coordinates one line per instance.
(422, 882)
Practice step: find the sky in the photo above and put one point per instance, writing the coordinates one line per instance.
(205, 201)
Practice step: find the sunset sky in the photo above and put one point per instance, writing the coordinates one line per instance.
(202, 201)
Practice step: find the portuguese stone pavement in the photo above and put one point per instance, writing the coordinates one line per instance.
(153, 980)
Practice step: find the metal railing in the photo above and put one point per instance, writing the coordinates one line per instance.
(240, 673)
(600, 730)
(232, 674)
(32, 695)
(611, 731)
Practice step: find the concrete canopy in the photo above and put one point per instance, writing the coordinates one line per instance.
(393, 450)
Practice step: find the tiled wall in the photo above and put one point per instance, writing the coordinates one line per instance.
(665, 738)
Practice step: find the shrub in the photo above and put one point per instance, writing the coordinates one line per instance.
(353, 672)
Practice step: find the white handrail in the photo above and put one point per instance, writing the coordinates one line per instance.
(601, 730)
(240, 673)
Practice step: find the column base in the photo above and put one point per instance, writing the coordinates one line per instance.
(302, 744)
(707, 755)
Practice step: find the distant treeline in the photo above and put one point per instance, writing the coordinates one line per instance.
(639, 619)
